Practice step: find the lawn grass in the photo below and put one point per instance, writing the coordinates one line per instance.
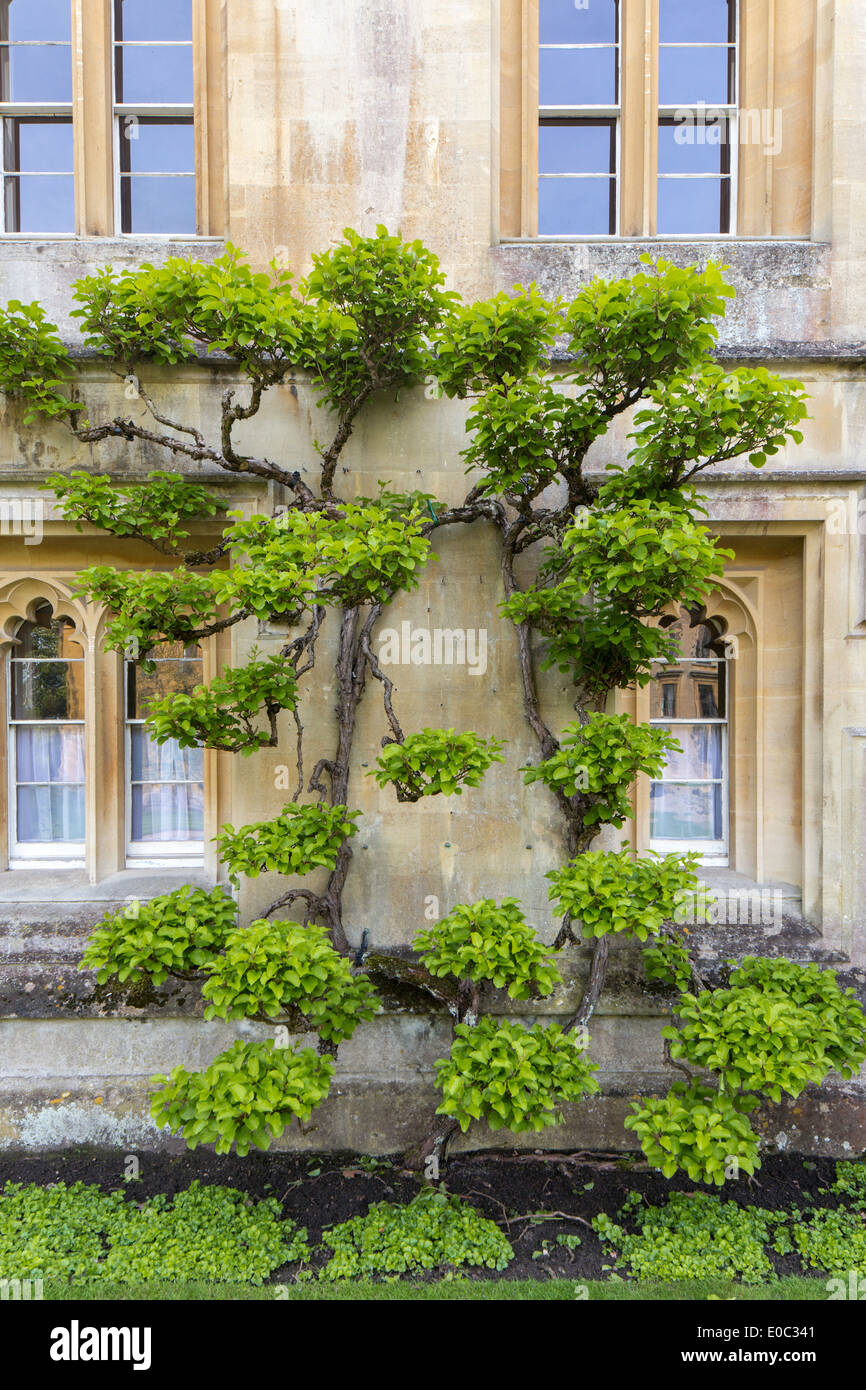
(790, 1289)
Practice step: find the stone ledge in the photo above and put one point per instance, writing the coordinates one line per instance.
(39, 976)
(380, 1118)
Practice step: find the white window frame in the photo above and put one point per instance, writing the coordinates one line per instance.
(124, 111)
(715, 852)
(151, 853)
(28, 854)
(730, 111)
(599, 113)
(51, 110)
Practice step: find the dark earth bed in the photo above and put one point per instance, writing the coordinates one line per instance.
(318, 1190)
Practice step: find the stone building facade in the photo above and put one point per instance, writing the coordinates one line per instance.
(522, 140)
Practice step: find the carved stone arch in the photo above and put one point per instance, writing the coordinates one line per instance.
(728, 610)
(733, 610)
(21, 596)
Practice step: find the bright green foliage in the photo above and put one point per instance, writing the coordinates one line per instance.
(629, 334)
(698, 1129)
(711, 416)
(851, 1182)
(836, 1014)
(34, 364)
(434, 761)
(641, 557)
(431, 1231)
(370, 553)
(599, 760)
(79, 1232)
(513, 1077)
(155, 509)
(593, 645)
(275, 571)
(166, 313)
(150, 606)
(301, 838)
(693, 1236)
(56, 1232)
(526, 432)
(247, 1095)
(669, 961)
(373, 315)
(779, 1027)
(756, 1041)
(634, 559)
(489, 941)
(389, 295)
(174, 933)
(274, 968)
(205, 1232)
(612, 891)
(480, 344)
(225, 712)
(361, 556)
(832, 1241)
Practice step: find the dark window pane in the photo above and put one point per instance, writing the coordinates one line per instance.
(574, 207)
(48, 636)
(565, 21)
(685, 813)
(158, 147)
(158, 205)
(693, 206)
(688, 690)
(47, 690)
(695, 639)
(168, 812)
(689, 75)
(576, 149)
(36, 74)
(32, 145)
(45, 20)
(578, 76)
(152, 19)
(173, 677)
(150, 75)
(40, 203)
(695, 21)
(50, 814)
(694, 147)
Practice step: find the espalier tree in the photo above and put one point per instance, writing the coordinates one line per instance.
(616, 552)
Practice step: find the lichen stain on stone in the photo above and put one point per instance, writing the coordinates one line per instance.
(66, 1125)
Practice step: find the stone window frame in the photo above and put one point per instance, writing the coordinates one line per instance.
(738, 621)
(104, 722)
(97, 212)
(783, 46)
(720, 855)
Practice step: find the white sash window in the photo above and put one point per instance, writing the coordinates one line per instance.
(689, 697)
(165, 783)
(46, 742)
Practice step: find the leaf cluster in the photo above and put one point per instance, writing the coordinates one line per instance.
(489, 941)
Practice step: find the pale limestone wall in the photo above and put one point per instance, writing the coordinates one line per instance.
(350, 114)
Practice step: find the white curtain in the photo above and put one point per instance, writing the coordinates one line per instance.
(164, 762)
(51, 809)
(168, 811)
